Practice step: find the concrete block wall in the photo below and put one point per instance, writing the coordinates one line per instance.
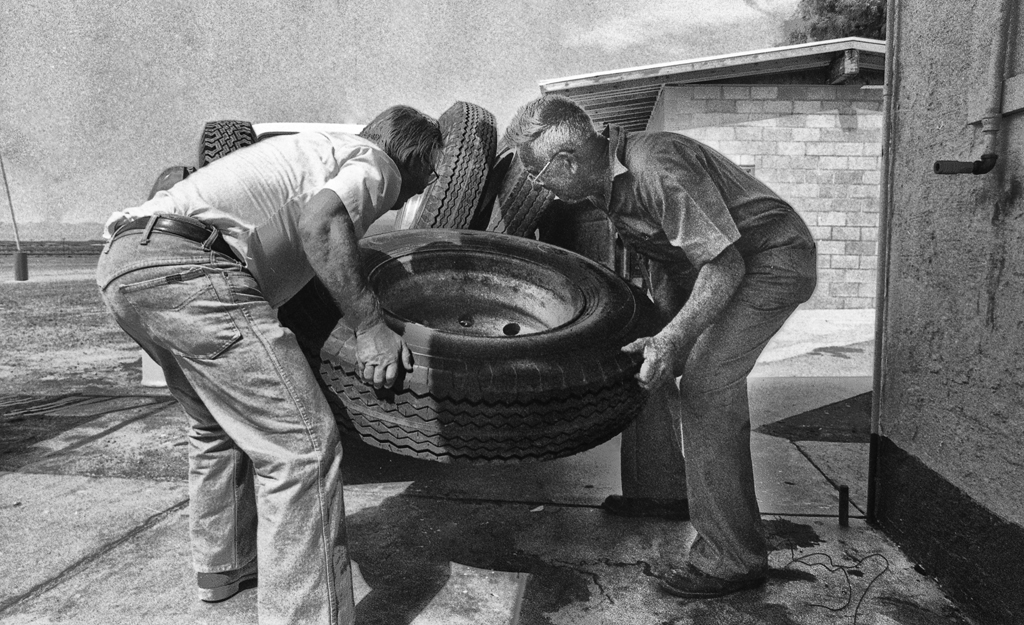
(817, 146)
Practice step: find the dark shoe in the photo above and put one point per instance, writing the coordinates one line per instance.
(692, 583)
(214, 587)
(671, 509)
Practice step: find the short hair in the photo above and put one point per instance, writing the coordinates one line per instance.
(413, 140)
(549, 123)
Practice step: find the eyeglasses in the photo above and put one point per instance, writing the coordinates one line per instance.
(535, 178)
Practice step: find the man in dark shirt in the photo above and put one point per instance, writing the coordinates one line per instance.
(728, 262)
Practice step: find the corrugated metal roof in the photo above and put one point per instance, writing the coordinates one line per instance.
(626, 97)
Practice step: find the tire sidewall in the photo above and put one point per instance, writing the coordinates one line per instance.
(613, 315)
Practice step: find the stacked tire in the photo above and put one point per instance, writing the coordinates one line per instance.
(470, 138)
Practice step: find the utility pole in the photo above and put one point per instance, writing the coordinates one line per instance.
(20, 258)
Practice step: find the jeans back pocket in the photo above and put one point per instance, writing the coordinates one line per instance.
(184, 311)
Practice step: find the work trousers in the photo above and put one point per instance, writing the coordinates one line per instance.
(264, 451)
(692, 439)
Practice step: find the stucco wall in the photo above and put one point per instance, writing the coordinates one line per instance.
(953, 390)
(817, 146)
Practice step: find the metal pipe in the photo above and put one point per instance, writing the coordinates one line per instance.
(17, 239)
(992, 120)
(884, 239)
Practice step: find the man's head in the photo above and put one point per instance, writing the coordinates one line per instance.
(413, 141)
(559, 147)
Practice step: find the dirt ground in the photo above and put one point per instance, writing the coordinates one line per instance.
(57, 336)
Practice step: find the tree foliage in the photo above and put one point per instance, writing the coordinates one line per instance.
(818, 20)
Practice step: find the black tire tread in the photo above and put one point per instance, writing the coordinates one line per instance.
(222, 137)
(446, 430)
(470, 137)
(520, 204)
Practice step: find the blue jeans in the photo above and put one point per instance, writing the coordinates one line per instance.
(264, 451)
(692, 440)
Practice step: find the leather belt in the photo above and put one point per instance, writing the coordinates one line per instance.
(180, 228)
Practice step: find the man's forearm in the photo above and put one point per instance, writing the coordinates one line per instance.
(716, 283)
(332, 249)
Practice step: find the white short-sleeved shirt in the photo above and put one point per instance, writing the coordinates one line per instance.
(254, 197)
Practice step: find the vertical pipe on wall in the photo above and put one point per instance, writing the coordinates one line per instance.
(991, 123)
(884, 218)
(993, 115)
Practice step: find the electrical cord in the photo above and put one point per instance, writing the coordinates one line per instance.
(832, 567)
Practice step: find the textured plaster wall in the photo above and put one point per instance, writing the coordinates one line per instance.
(819, 147)
(953, 393)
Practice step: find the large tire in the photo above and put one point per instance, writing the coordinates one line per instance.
(519, 204)
(502, 163)
(470, 137)
(516, 346)
(223, 137)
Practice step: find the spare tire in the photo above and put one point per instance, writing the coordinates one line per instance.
(516, 348)
(223, 137)
(519, 204)
(470, 136)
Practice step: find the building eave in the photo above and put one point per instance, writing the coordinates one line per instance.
(627, 96)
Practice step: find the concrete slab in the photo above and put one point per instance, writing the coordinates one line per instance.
(475, 596)
(145, 443)
(786, 484)
(34, 425)
(147, 579)
(50, 524)
(434, 543)
(809, 331)
(772, 399)
(813, 564)
(427, 560)
(849, 360)
(842, 464)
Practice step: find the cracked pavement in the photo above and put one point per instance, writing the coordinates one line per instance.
(94, 522)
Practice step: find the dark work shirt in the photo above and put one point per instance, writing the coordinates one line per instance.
(679, 202)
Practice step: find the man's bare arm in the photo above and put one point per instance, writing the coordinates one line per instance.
(329, 239)
(716, 283)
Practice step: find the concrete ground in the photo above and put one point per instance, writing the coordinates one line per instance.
(94, 517)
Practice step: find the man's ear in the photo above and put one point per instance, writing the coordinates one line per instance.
(572, 163)
(527, 154)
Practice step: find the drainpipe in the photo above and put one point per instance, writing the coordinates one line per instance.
(994, 110)
(884, 218)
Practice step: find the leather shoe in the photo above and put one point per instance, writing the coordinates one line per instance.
(671, 509)
(214, 587)
(692, 583)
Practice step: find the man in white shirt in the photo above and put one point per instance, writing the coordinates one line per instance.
(195, 274)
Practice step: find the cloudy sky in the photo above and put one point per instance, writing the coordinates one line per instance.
(494, 53)
(98, 96)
